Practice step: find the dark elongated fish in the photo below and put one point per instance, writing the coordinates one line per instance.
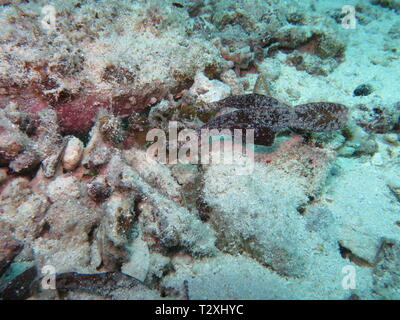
(97, 283)
(267, 116)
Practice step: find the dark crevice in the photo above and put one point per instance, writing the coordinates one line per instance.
(348, 254)
(45, 230)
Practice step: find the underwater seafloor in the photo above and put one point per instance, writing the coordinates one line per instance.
(81, 82)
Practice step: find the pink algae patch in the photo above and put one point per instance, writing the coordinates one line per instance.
(26, 101)
(78, 116)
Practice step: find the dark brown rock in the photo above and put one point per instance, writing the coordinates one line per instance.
(21, 287)
(9, 249)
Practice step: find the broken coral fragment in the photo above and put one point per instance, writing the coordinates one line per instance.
(72, 153)
(12, 140)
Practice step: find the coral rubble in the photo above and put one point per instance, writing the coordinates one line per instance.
(79, 193)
